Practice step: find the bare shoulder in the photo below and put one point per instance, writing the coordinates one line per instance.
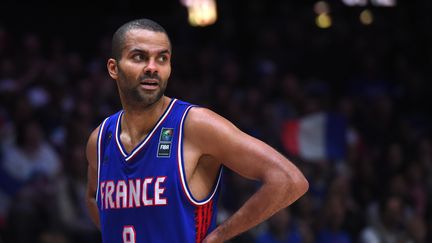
(202, 118)
(207, 127)
(201, 115)
(215, 135)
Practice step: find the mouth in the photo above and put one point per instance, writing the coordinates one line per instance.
(149, 84)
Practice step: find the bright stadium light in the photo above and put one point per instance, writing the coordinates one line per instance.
(201, 12)
(362, 3)
(321, 7)
(384, 3)
(322, 18)
(366, 17)
(355, 2)
(323, 21)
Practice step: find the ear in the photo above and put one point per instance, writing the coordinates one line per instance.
(112, 68)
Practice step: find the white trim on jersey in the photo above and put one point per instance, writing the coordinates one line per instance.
(117, 137)
(99, 154)
(181, 169)
(147, 138)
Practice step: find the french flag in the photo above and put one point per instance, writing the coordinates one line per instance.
(318, 136)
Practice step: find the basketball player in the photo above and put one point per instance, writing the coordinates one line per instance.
(155, 167)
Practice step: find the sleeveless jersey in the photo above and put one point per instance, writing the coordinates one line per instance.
(143, 196)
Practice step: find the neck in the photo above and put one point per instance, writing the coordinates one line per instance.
(136, 122)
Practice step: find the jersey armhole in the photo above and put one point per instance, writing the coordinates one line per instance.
(183, 181)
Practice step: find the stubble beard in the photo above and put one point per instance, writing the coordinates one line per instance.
(139, 98)
(135, 97)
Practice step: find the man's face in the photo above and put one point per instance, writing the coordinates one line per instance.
(144, 67)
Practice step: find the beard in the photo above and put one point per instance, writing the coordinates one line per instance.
(139, 97)
(134, 95)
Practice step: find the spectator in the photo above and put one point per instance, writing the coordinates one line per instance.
(389, 225)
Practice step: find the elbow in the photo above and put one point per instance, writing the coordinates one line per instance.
(302, 185)
(286, 184)
(296, 186)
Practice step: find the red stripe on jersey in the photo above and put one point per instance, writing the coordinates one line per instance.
(203, 216)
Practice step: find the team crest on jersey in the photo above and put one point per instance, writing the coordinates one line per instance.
(167, 134)
(165, 142)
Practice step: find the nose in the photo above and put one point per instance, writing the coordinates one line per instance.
(151, 66)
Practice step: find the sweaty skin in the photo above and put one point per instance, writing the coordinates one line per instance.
(209, 140)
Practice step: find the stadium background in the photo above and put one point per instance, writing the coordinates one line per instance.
(263, 65)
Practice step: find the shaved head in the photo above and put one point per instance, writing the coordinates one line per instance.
(119, 36)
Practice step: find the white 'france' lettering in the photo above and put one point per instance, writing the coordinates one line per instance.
(121, 194)
(133, 193)
(159, 191)
(146, 202)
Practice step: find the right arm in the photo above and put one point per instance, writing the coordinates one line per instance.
(91, 153)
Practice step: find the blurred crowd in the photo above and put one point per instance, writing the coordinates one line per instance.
(259, 74)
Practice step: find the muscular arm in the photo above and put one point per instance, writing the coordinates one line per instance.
(91, 153)
(282, 182)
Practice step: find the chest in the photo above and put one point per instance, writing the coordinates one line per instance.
(156, 155)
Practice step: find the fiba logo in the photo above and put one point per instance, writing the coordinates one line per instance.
(165, 141)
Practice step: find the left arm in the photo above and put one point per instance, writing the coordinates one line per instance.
(282, 181)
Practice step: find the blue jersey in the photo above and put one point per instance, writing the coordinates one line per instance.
(143, 196)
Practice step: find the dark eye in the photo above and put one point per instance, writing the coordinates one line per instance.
(162, 58)
(138, 57)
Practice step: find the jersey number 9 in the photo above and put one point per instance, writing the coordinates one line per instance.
(129, 234)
